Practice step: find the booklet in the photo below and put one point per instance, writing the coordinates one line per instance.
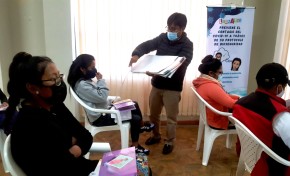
(124, 105)
(119, 163)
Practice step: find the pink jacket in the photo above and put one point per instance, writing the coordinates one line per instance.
(211, 90)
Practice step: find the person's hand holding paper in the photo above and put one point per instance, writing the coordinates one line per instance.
(149, 73)
(134, 59)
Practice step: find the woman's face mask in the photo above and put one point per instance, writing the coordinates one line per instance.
(217, 75)
(58, 94)
(220, 77)
(90, 73)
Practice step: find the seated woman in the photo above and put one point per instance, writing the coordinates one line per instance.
(95, 94)
(46, 139)
(209, 88)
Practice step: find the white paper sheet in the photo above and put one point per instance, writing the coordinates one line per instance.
(155, 64)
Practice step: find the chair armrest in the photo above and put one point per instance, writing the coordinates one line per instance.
(101, 147)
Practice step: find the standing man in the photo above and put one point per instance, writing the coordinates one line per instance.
(167, 91)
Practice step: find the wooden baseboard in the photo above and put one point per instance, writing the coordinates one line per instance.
(181, 122)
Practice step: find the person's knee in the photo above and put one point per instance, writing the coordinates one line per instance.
(136, 118)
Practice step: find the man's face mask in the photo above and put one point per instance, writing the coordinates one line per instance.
(281, 93)
(172, 36)
(90, 73)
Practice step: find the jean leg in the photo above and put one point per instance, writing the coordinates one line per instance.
(135, 123)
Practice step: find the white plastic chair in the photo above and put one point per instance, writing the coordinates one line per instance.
(122, 126)
(210, 134)
(251, 149)
(2, 141)
(11, 165)
(15, 170)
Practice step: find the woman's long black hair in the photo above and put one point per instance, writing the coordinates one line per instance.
(24, 69)
(75, 73)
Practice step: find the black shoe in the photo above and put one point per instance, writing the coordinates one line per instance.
(167, 149)
(152, 140)
(147, 127)
(140, 149)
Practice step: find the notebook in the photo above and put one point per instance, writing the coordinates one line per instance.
(119, 163)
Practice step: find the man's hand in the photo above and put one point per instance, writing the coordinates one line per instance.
(149, 73)
(133, 60)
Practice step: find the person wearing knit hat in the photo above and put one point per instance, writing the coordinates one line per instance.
(210, 89)
(264, 113)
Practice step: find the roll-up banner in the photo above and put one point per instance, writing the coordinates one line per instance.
(229, 37)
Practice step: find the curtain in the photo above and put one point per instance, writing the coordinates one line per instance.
(111, 29)
(282, 49)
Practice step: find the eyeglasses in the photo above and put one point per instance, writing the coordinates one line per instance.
(56, 80)
(220, 72)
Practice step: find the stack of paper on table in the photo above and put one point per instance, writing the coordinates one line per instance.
(160, 65)
(119, 163)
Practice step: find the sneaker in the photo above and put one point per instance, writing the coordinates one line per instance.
(140, 149)
(147, 127)
(167, 149)
(152, 140)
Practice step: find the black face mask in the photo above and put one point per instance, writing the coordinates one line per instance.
(58, 94)
(90, 73)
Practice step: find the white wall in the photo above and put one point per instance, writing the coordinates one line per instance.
(58, 37)
(39, 27)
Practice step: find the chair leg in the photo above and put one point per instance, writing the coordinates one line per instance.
(208, 142)
(229, 141)
(4, 165)
(200, 133)
(124, 137)
(2, 138)
(240, 167)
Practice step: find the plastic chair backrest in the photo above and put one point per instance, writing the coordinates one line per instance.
(203, 104)
(11, 165)
(210, 134)
(115, 112)
(252, 147)
(123, 127)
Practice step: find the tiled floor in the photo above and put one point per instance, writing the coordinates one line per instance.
(184, 160)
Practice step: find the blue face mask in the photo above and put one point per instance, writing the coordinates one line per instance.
(172, 36)
(220, 78)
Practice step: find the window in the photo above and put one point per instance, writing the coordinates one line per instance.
(110, 30)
